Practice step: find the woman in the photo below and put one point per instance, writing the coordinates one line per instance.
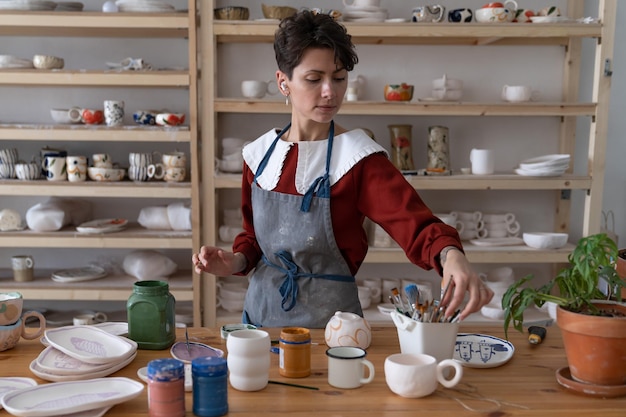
(308, 188)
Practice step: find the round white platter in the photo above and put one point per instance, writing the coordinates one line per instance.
(43, 374)
(482, 351)
(102, 226)
(86, 273)
(53, 361)
(64, 398)
(90, 344)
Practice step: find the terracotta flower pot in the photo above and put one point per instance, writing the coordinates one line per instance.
(595, 346)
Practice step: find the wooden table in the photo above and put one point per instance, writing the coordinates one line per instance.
(525, 386)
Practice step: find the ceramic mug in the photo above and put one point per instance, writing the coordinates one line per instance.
(483, 161)
(23, 267)
(138, 173)
(518, 93)
(143, 159)
(11, 334)
(102, 160)
(113, 112)
(430, 13)
(156, 171)
(174, 159)
(346, 367)
(362, 3)
(55, 168)
(460, 15)
(375, 286)
(257, 88)
(365, 296)
(413, 375)
(76, 168)
(11, 304)
(90, 318)
(248, 359)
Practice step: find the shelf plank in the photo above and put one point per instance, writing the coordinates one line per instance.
(148, 189)
(110, 288)
(95, 78)
(465, 182)
(83, 133)
(133, 237)
(482, 254)
(94, 24)
(426, 33)
(416, 108)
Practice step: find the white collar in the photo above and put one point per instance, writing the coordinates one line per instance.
(348, 149)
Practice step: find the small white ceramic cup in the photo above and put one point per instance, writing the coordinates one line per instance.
(365, 296)
(248, 359)
(86, 319)
(114, 112)
(76, 166)
(138, 173)
(413, 375)
(362, 3)
(375, 286)
(518, 93)
(483, 161)
(23, 267)
(175, 174)
(257, 88)
(174, 160)
(346, 367)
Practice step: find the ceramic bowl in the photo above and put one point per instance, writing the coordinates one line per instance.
(399, 92)
(447, 83)
(494, 15)
(28, 171)
(447, 94)
(229, 165)
(545, 240)
(231, 13)
(48, 62)
(170, 119)
(66, 116)
(105, 174)
(145, 117)
(92, 116)
(11, 304)
(230, 305)
(277, 12)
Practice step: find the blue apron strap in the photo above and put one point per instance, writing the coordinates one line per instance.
(321, 185)
(269, 152)
(289, 288)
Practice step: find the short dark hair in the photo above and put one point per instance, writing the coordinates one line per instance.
(306, 29)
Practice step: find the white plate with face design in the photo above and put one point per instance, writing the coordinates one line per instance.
(64, 398)
(90, 344)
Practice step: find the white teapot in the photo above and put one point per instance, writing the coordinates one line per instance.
(348, 329)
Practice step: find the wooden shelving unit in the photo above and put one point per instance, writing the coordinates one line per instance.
(185, 285)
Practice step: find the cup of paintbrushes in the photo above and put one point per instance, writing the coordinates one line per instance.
(437, 339)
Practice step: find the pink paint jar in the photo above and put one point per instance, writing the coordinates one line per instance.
(166, 388)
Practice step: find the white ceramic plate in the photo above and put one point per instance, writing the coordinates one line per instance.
(545, 161)
(63, 398)
(498, 241)
(540, 172)
(102, 226)
(550, 19)
(41, 373)
(53, 361)
(8, 384)
(87, 273)
(482, 351)
(196, 350)
(118, 328)
(90, 344)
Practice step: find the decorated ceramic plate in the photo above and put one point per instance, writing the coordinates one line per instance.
(90, 344)
(63, 398)
(102, 226)
(52, 360)
(87, 273)
(482, 351)
(196, 350)
(48, 376)
(8, 384)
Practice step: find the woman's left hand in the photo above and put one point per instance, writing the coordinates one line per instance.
(459, 277)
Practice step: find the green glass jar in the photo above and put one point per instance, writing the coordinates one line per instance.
(151, 315)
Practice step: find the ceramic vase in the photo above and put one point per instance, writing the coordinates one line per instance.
(401, 147)
(438, 149)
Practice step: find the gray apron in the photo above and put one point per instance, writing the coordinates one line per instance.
(302, 279)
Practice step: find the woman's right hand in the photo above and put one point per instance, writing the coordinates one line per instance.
(217, 261)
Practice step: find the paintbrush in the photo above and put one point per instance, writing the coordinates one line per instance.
(399, 303)
(412, 296)
(293, 385)
(187, 341)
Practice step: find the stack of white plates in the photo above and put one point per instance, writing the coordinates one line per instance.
(36, 5)
(544, 166)
(364, 14)
(143, 6)
(82, 352)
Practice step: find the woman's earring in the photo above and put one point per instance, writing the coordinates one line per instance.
(286, 100)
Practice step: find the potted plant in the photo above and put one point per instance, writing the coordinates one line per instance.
(593, 324)
(621, 268)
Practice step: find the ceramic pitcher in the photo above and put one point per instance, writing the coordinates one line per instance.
(348, 329)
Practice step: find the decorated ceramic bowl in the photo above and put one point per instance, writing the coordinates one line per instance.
(92, 116)
(145, 117)
(170, 119)
(106, 174)
(398, 92)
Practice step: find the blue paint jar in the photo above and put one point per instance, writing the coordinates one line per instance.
(210, 386)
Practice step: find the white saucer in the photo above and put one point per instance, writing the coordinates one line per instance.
(102, 226)
(64, 398)
(498, 241)
(90, 344)
(545, 161)
(550, 19)
(482, 351)
(87, 273)
(53, 361)
(540, 172)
